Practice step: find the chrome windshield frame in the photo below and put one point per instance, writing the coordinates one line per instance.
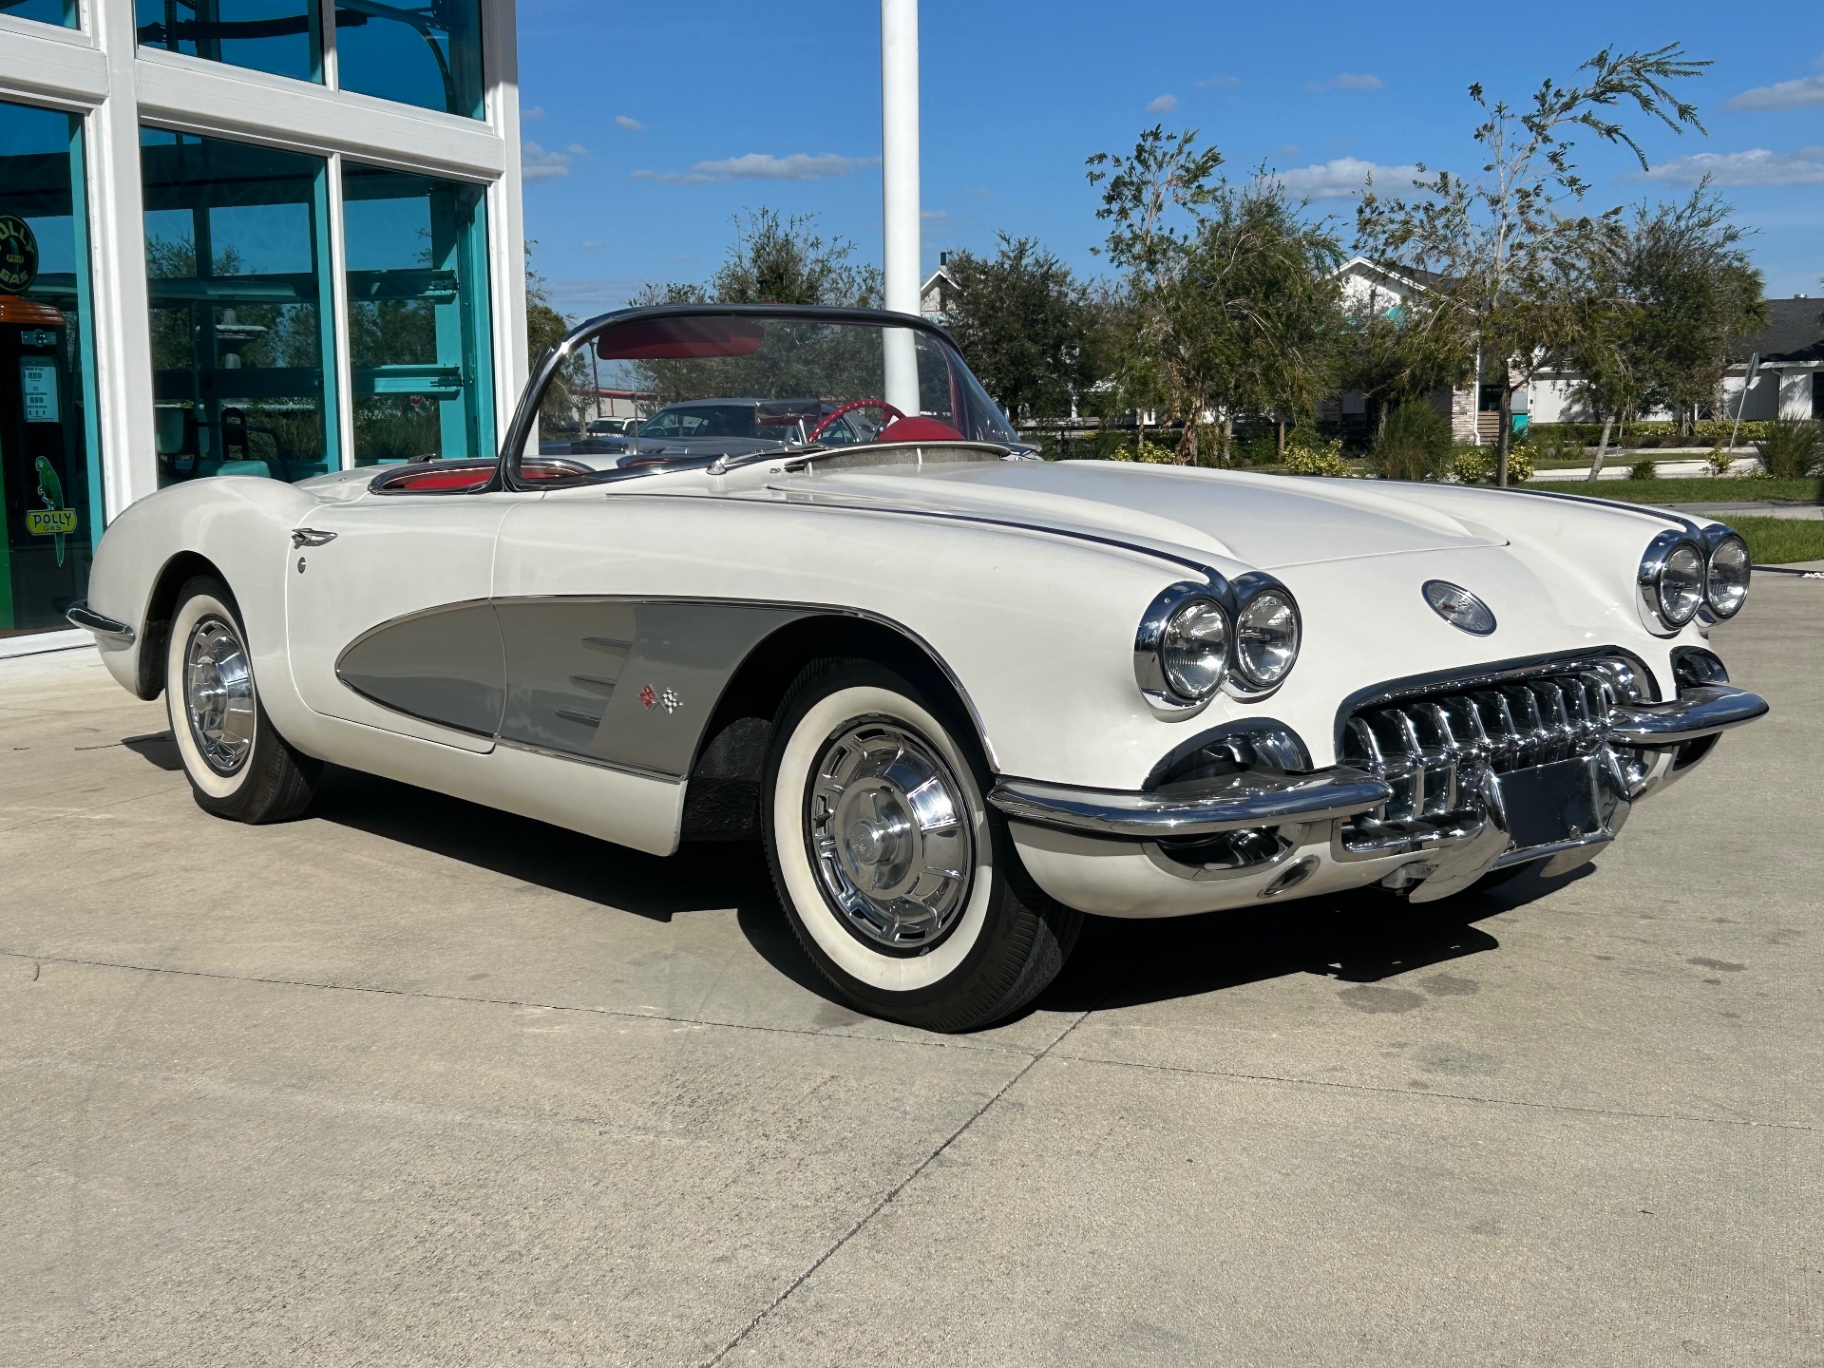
(525, 413)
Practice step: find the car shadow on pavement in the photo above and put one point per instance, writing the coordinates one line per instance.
(698, 878)
(1358, 937)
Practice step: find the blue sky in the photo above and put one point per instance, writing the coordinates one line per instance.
(649, 127)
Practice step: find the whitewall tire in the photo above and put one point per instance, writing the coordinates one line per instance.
(900, 881)
(239, 767)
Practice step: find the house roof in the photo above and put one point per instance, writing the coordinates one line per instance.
(1412, 277)
(1794, 332)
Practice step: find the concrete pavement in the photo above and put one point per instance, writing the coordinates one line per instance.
(412, 1082)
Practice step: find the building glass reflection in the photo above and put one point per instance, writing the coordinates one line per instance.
(418, 315)
(242, 314)
(282, 37)
(49, 458)
(426, 54)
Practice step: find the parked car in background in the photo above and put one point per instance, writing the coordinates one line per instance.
(962, 696)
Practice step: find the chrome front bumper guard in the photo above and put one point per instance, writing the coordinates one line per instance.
(81, 615)
(1256, 799)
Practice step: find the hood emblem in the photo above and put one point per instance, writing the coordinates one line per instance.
(1460, 608)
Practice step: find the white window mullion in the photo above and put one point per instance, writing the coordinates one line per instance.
(344, 359)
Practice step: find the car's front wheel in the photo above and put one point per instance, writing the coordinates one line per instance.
(901, 883)
(239, 767)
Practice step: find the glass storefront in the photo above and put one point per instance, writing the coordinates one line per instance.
(418, 317)
(49, 460)
(62, 12)
(242, 313)
(277, 36)
(427, 54)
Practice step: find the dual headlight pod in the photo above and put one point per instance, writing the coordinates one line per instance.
(1195, 637)
(1682, 573)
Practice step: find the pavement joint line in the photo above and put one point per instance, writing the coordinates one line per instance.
(68, 813)
(937, 1043)
(1617, 1112)
(891, 1195)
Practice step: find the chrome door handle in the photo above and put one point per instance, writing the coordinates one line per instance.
(309, 536)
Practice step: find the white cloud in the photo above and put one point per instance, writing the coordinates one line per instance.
(932, 215)
(1219, 83)
(799, 166)
(1163, 104)
(1801, 166)
(587, 298)
(1347, 81)
(535, 112)
(629, 123)
(1341, 178)
(1799, 94)
(536, 164)
(577, 150)
(591, 246)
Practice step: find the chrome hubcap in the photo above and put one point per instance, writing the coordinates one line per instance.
(890, 834)
(218, 695)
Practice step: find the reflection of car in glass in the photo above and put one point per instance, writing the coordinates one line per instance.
(611, 427)
(963, 697)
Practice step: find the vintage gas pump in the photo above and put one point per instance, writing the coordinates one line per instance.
(43, 537)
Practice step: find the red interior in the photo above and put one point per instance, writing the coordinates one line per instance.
(918, 429)
(425, 481)
(681, 339)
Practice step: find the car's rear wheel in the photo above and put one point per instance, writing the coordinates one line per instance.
(901, 883)
(238, 765)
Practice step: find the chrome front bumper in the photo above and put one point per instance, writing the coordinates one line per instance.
(1232, 803)
(1694, 714)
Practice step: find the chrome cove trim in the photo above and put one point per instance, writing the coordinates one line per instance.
(1228, 804)
(803, 609)
(81, 615)
(1697, 712)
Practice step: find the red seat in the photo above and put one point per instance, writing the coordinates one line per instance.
(918, 429)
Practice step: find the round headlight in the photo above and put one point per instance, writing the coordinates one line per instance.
(1194, 648)
(1266, 638)
(1681, 584)
(1730, 568)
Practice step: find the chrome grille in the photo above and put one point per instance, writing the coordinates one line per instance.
(1431, 746)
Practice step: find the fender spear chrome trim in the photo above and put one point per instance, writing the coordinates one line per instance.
(81, 615)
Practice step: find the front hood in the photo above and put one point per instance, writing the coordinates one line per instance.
(1266, 521)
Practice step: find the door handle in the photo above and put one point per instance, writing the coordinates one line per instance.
(309, 536)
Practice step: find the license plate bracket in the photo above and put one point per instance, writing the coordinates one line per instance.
(1551, 804)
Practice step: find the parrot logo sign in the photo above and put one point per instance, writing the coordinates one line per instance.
(53, 520)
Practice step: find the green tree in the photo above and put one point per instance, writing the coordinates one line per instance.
(1027, 327)
(1399, 347)
(1231, 294)
(775, 260)
(1498, 243)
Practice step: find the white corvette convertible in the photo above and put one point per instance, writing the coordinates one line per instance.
(963, 696)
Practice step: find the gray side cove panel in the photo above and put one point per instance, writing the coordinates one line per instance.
(445, 666)
(624, 682)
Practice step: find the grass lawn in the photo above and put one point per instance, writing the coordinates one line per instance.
(1702, 490)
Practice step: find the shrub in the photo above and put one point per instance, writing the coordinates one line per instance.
(1412, 444)
(1470, 464)
(1476, 465)
(1643, 470)
(1149, 453)
(1305, 457)
(1791, 450)
(1719, 461)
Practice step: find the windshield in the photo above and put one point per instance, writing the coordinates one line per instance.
(734, 385)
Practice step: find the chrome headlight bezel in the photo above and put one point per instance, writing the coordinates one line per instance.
(1250, 590)
(1650, 582)
(1717, 536)
(1167, 697)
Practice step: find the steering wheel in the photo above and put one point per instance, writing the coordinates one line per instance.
(853, 404)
